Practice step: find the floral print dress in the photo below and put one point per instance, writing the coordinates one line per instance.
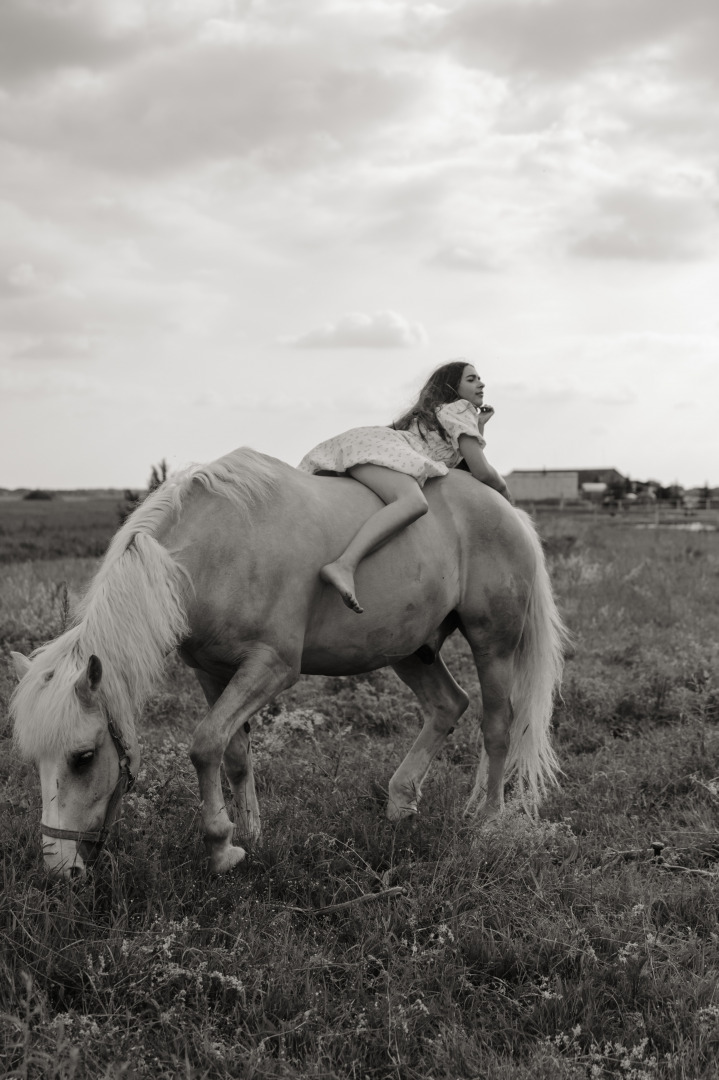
(417, 455)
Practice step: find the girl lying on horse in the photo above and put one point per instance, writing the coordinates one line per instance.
(443, 427)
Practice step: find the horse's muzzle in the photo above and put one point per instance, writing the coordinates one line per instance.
(65, 860)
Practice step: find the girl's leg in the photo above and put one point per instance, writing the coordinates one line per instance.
(404, 503)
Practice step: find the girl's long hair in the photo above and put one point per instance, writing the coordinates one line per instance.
(440, 389)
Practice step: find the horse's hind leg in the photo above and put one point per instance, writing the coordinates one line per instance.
(237, 760)
(496, 675)
(442, 702)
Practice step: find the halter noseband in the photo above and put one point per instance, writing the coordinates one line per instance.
(125, 780)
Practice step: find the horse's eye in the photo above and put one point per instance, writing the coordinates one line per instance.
(82, 760)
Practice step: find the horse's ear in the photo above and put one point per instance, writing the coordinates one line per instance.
(89, 680)
(22, 664)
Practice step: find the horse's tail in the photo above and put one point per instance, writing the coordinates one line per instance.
(539, 662)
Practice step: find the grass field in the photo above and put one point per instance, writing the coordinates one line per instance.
(56, 528)
(585, 945)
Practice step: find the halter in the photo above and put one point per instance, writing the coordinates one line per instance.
(97, 837)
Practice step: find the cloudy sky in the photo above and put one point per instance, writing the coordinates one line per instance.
(261, 222)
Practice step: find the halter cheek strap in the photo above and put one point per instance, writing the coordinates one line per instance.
(125, 780)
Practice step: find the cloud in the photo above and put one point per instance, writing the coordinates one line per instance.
(37, 39)
(640, 224)
(557, 39)
(40, 39)
(355, 330)
(18, 279)
(465, 257)
(57, 348)
(44, 384)
(291, 90)
(622, 74)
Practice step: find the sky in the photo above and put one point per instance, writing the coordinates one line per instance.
(262, 222)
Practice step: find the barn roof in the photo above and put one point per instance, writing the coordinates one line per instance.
(545, 472)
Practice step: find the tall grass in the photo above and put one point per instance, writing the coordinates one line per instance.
(583, 946)
(80, 528)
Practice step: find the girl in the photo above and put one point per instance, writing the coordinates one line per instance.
(445, 425)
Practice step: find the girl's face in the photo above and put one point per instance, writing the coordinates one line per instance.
(471, 387)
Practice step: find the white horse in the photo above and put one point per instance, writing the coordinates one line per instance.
(222, 563)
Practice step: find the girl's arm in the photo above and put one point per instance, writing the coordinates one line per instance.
(479, 467)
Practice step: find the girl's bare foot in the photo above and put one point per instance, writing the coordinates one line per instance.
(343, 581)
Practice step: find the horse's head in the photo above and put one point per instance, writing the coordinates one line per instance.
(63, 724)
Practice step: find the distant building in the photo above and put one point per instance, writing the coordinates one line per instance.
(600, 476)
(545, 485)
(560, 485)
(594, 490)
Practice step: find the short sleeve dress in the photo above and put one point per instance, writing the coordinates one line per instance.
(419, 455)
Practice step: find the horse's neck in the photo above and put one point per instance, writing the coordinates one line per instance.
(134, 615)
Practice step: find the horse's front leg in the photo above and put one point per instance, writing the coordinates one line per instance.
(261, 675)
(238, 764)
(238, 767)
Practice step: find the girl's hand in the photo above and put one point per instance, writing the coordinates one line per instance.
(486, 412)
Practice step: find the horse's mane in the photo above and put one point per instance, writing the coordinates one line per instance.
(133, 613)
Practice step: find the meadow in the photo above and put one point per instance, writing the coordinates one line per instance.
(581, 945)
(61, 527)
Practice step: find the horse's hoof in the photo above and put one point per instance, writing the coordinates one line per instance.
(487, 815)
(227, 859)
(249, 830)
(398, 812)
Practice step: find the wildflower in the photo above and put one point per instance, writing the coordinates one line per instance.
(544, 990)
(628, 952)
(708, 1018)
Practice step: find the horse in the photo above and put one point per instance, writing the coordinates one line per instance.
(222, 563)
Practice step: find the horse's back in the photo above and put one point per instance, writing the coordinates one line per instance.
(469, 554)
(258, 572)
